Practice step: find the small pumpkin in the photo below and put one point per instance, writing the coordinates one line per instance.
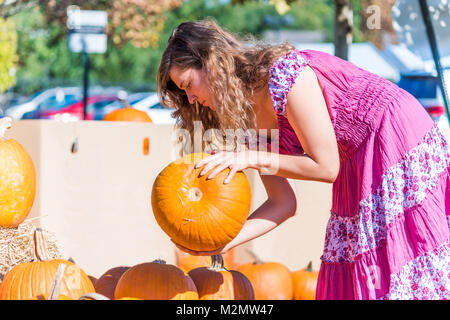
(106, 284)
(34, 280)
(305, 283)
(198, 213)
(217, 283)
(155, 281)
(270, 280)
(127, 114)
(17, 180)
(187, 262)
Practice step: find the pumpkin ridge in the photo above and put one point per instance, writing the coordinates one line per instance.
(220, 226)
(211, 227)
(232, 218)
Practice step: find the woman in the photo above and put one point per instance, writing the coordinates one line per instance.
(388, 234)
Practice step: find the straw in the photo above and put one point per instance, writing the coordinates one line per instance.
(17, 246)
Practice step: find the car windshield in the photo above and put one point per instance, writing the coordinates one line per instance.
(52, 103)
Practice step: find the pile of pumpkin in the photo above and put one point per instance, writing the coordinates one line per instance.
(184, 209)
(190, 279)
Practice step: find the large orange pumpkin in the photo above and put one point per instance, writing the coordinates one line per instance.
(199, 213)
(127, 114)
(17, 180)
(270, 280)
(187, 262)
(156, 281)
(106, 284)
(34, 280)
(218, 283)
(305, 283)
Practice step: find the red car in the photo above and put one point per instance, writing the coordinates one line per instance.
(75, 110)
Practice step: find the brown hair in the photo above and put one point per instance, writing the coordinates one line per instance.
(234, 71)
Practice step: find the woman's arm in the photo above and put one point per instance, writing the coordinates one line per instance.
(307, 113)
(280, 205)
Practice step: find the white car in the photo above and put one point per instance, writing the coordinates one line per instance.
(157, 112)
(150, 104)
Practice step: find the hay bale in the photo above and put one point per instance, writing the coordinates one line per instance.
(17, 246)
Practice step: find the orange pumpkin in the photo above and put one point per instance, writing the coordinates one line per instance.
(305, 283)
(17, 180)
(156, 281)
(106, 284)
(56, 287)
(187, 262)
(270, 280)
(197, 213)
(127, 114)
(46, 297)
(217, 283)
(34, 280)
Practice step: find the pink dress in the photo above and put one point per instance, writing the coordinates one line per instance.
(388, 233)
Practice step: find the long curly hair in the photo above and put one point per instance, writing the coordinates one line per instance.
(235, 67)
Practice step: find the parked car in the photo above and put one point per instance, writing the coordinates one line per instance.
(148, 102)
(157, 112)
(130, 98)
(53, 98)
(75, 111)
(425, 87)
(56, 98)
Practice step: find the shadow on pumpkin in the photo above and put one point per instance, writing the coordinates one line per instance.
(155, 281)
(218, 283)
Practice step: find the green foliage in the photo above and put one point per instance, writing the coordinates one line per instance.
(45, 58)
(8, 56)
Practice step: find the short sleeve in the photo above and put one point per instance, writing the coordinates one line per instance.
(282, 77)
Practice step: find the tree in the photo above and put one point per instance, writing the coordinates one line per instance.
(137, 21)
(8, 53)
(343, 28)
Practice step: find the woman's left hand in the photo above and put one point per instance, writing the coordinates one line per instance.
(235, 161)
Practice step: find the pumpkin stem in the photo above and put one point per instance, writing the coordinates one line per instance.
(40, 245)
(195, 194)
(309, 267)
(5, 124)
(54, 292)
(217, 263)
(256, 259)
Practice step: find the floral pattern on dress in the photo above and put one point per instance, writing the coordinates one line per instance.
(282, 76)
(425, 278)
(403, 186)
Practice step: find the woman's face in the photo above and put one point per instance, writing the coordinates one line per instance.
(193, 82)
